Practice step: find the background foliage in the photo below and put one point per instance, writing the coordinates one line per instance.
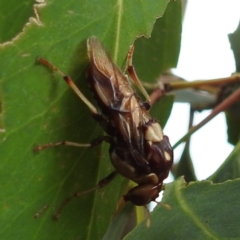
(37, 107)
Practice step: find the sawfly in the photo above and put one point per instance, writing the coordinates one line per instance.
(138, 149)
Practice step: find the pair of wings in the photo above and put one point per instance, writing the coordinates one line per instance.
(116, 94)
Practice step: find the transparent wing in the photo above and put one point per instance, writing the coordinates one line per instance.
(117, 98)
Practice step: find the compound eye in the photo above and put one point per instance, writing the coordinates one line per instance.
(146, 105)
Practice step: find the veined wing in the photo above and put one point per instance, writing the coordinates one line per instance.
(111, 85)
(116, 96)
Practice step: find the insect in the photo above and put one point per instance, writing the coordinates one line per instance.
(138, 149)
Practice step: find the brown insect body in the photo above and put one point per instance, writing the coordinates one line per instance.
(138, 149)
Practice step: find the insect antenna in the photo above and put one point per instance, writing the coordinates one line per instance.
(148, 220)
(166, 206)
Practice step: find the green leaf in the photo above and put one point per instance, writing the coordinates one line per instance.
(232, 118)
(120, 223)
(10, 27)
(230, 169)
(197, 98)
(232, 115)
(161, 110)
(162, 49)
(38, 108)
(234, 41)
(201, 210)
(185, 166)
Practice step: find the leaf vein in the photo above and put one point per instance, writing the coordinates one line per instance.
(193, 216)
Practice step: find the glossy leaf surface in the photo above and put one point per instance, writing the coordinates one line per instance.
(201, 210)
(37, 107)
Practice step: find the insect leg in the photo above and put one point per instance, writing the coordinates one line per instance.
(102, 183)
(133, 75)
(70, 82)
(93, 143)
(96, 115)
